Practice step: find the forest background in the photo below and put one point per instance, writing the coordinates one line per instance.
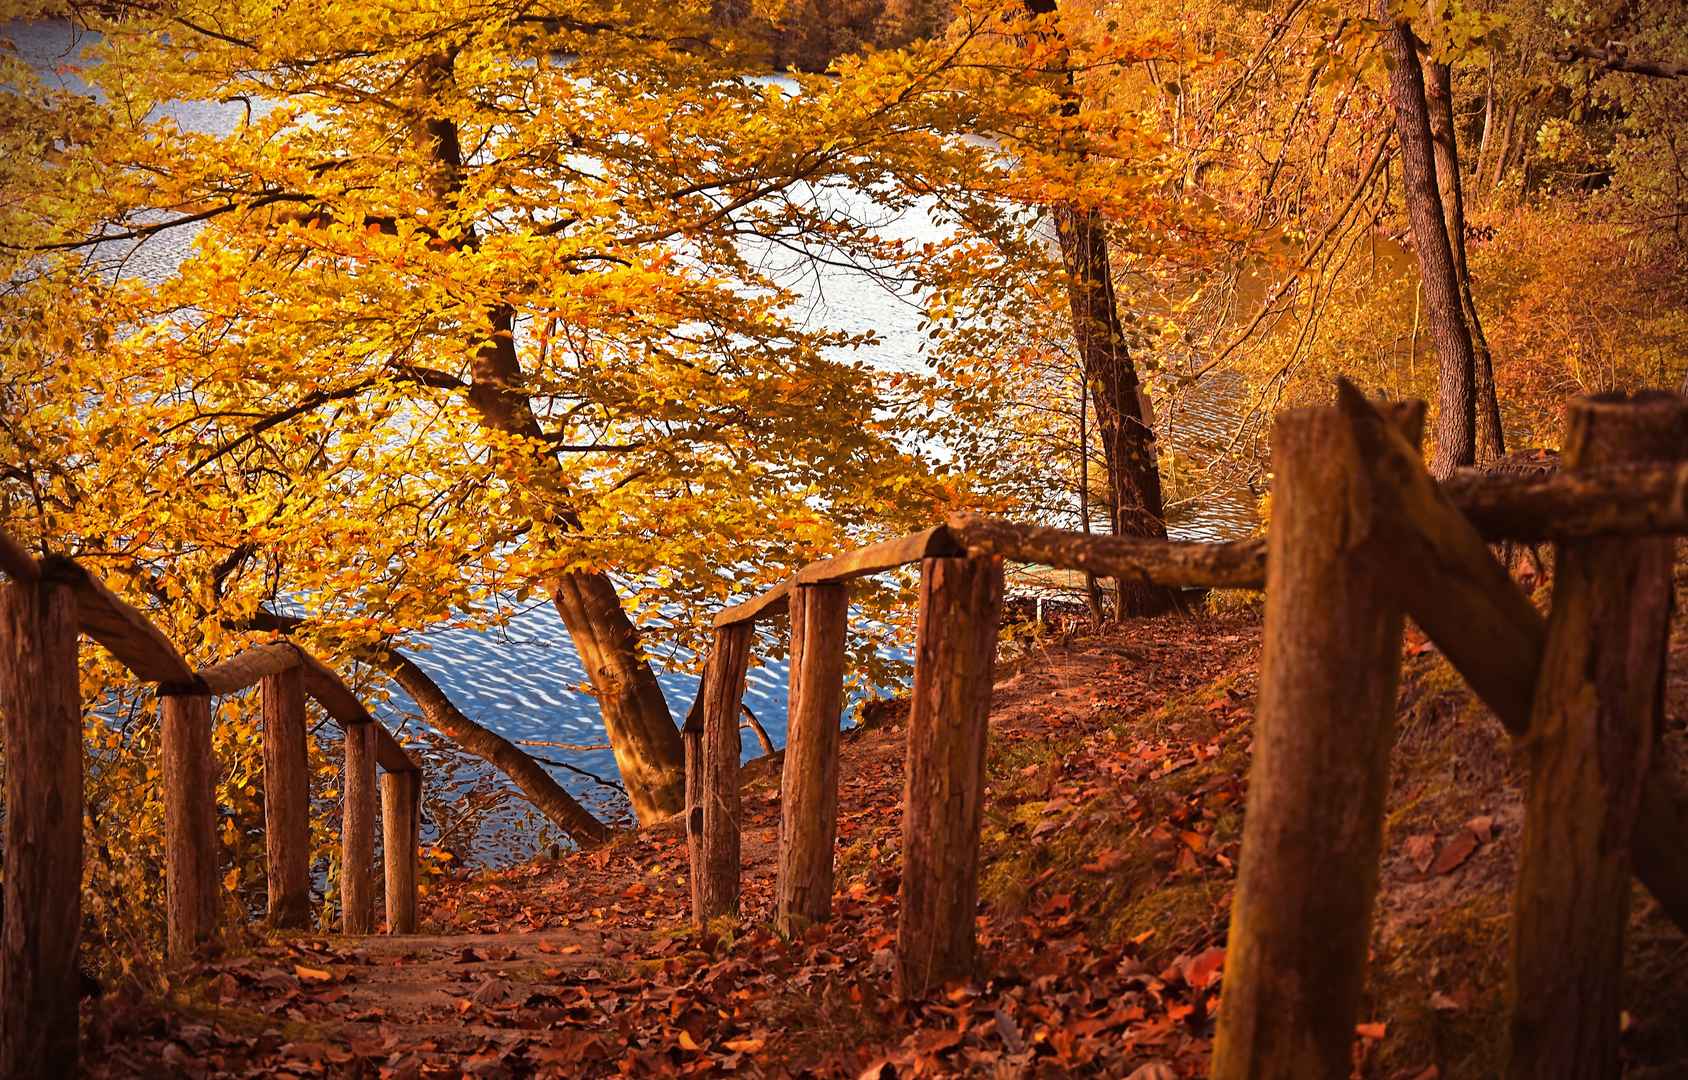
(476, 310)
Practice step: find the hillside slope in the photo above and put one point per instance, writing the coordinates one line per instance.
(1117, 779)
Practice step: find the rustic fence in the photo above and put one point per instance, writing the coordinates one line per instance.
(42, 610)
(1361, 536)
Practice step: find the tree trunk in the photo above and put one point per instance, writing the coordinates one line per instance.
(944, 785)
(809, 780)
(401, 805)
(1456, 391)
(1126, 435)
(287, 800)
(1313, 824)
(558, 806)
(1092, 592)
(1597, 716)
(724, 693)
(1438, 91)
(1503, 150)
(357, 832)
(1485, 145)
(1128, 442)
(191, 879)
(41, 711)
(641, 730)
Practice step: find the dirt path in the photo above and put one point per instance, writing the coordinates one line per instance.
(1114, 795)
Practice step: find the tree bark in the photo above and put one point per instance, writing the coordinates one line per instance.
(1456, 391)
(943, 792)
(1597, 715)
(401, 803)
(357, 832)
(41, 710)
(1313, 824)
(1438, 89)
(287, 794)
(809, 780)
(191, 880)
(724, 693)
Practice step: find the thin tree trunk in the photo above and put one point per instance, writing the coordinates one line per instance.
(1438, 92)
(647, 743)
(1092, 592)
(1503, 150)
(558, 806)
(1486, 144)
(1456, 392)
(1128, 440)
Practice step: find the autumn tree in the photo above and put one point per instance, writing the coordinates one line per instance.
(470, 305)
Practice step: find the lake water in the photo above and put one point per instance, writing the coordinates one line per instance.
(521, 679)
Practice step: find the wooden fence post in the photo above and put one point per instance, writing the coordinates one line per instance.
(287, 778)
(1313, 825)
(401, 803)
(1597, 714)
(809, 780)
(191, 878)
(724, 689)
(943, 790)
(357, 833)
(40, 702)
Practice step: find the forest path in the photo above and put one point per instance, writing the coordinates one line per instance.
(581, 965)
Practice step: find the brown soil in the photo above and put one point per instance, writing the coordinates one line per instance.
(1116, 779)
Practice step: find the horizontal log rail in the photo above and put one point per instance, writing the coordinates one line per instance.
(46, 603)
(1630, 500)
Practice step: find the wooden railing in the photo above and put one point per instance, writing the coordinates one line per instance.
(1360, 536)
(42, 610)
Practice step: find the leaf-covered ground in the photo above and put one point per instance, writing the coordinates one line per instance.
(1117, 776)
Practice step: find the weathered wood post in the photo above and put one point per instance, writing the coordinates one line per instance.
(943, 793)
(191, 877)
(357, 832)
(401, 806)
(1313, 827)
(40, 702)
(1597, 713)
(718, 882)
(809, 780)
(287, 779)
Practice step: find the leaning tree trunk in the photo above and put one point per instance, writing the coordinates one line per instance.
(1438, 91)
(647, 743)
(1456, 393)
(558, 806)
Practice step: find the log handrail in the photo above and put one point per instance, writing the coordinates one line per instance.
(1635, 500)
(34, 979)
